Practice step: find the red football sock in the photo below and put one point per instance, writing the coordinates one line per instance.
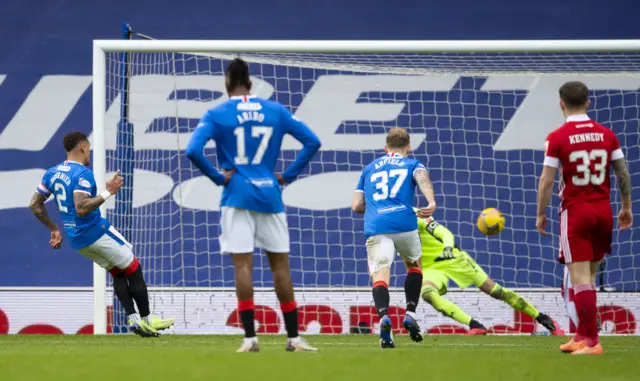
(585, 297)
(580, 336)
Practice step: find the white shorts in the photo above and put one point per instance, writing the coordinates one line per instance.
(109, 251)
(381, 249)
(244, 230)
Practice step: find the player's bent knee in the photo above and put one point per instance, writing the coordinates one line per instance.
(132, 267)
(428, 293)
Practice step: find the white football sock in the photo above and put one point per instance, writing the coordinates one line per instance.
(134, 317)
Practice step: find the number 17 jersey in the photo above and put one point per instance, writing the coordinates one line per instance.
(388, 185)
(583, 151)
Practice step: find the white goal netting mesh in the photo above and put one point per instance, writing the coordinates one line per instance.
(477, 121)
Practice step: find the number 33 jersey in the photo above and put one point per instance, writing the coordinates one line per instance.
(583, 151)
(62, 181)
(388, 185)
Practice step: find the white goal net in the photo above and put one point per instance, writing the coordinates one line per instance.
(477, 120)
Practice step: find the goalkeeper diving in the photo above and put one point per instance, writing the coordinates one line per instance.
(442, 261)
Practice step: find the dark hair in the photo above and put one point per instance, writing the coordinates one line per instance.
(238, 74)
(72, 139)
(398, 138)
(574, 94)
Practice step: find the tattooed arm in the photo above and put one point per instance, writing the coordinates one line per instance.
(40, 211)
(625, 216)
(624, 181)
(86, 204)
(426, 187)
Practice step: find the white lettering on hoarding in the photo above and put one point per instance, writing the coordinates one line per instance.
(539, 113)
(149, 100)
(45, 109)
(331, 101)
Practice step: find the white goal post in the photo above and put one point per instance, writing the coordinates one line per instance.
(438, 58)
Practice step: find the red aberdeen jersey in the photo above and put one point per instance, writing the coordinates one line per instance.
(583, 150)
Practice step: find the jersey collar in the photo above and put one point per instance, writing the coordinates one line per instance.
(394, 154)
(578, 118)
(242, 97)
(71, 161)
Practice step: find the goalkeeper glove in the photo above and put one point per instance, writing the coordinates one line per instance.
(447, 253)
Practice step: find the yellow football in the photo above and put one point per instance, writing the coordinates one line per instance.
(490, 221)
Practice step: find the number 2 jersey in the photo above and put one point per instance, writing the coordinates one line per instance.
(62, 181)
(388, 185)
(248, 132)
(583, 151)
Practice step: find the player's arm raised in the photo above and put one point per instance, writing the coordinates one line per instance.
(310, 145)
(545, 186)
(625, 216)
(86, 204)
(423, 181)
(195, 152)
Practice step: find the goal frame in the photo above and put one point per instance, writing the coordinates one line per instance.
(101, 47)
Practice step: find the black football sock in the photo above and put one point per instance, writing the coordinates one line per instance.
(138, 289)
(247, 313)
(290, 315)
(412, 286)
(121, 288)
(381, 297)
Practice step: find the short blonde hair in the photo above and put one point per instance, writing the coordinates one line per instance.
(398, 138)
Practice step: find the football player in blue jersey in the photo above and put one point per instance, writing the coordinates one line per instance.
(248, 132)
(74, 189)
(385, 195)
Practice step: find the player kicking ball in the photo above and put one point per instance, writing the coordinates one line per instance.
(442, 261)
(585, 151)
(74, 189)
(248, 132)
(385, 195)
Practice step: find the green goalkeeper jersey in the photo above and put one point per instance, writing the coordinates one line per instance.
(435, 238)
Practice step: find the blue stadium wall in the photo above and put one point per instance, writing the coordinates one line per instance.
(51, 41)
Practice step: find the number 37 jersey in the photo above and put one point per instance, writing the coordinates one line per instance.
(388, 185)
(62, 181)
(583, 151)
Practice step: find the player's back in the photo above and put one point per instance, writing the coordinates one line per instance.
(583, 150)
(388, 185)
(62, 181)
(248, 132)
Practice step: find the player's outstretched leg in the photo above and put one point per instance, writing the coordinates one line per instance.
(139, 293)
(431, 295)
(279, 263)
(518, 303)
(243, 265)
(121, 289)
(412, 286)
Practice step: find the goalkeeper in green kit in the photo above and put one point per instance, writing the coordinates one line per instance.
(442, 261)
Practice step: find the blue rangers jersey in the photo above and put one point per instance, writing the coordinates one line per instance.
(248, 132)
(388, 185)
(63, 181)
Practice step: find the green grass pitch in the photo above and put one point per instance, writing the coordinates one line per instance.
(353, 357)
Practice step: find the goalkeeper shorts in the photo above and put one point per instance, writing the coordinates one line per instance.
(462, 270)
